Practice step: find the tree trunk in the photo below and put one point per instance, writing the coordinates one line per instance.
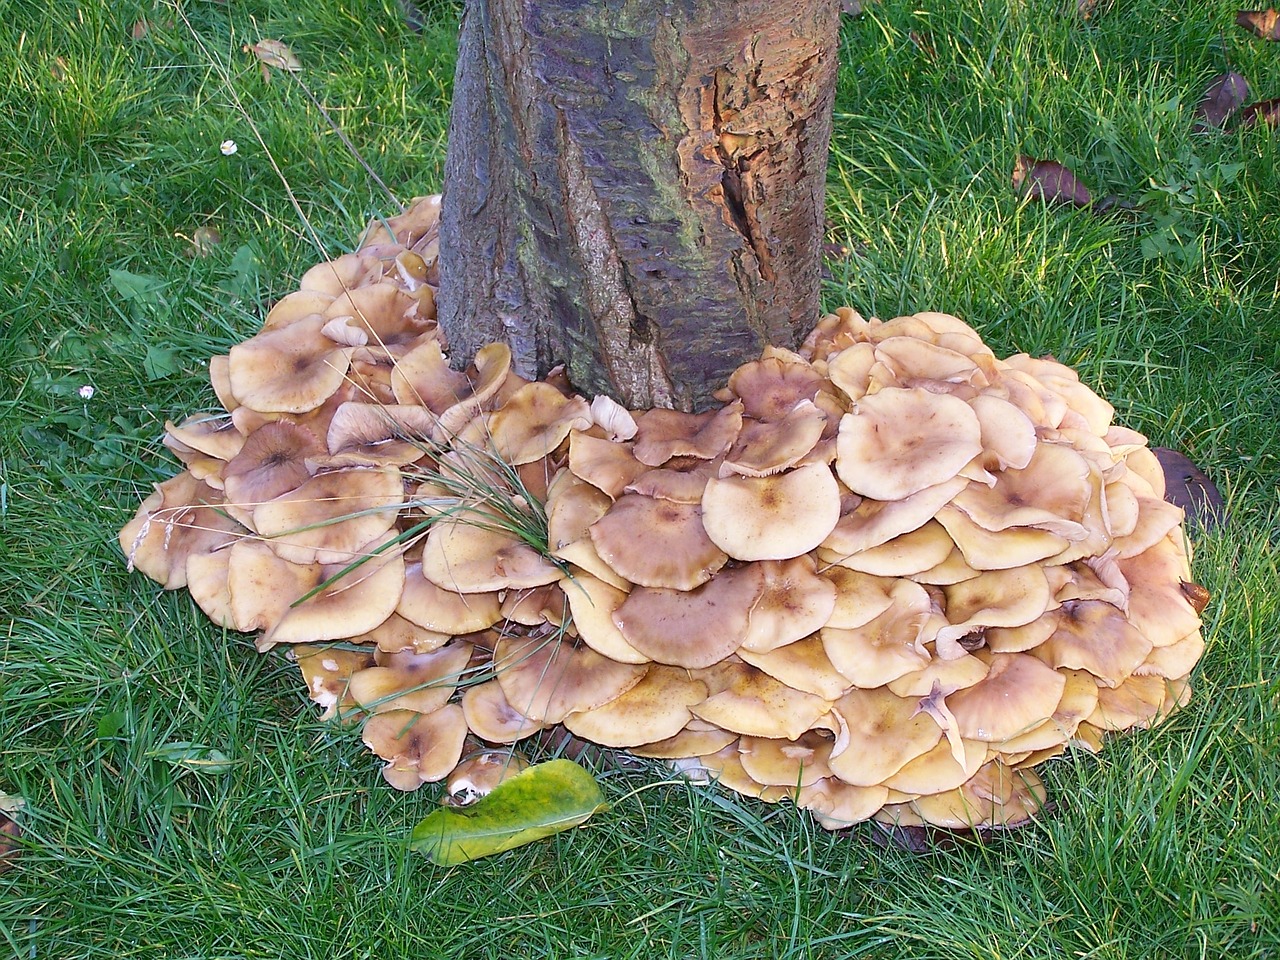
(634, 188)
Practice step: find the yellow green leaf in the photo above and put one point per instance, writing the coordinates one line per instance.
(544, 799)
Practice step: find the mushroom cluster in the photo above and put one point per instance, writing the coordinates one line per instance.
(886, 578)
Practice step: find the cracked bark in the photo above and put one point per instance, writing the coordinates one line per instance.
(634, 188)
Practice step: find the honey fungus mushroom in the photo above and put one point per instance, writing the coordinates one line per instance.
(888, 575)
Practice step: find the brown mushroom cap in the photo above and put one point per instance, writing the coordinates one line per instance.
(994, 796)
(474, 554)
(795, 603)
(771, 388)
(492, 719)
(764, 448)
(1079, 700)
(915, 552)
(327, 672)
(663, 434)
(771, 518)
(183, 516)
(938, 769)
(994, 598)
(786, 763)
(697, 739)
(874, 522)
(694, 628)
(272, 462)
(548, 679)
(606, 465)
(1049, 493)
(329, 517)
(593, 604)
(889, 646)
(289, 370)
(897, 442)
(879, 734)
(347, 272)
(657, 543)
(1018, 693)
(998, 550)
(421, 682)
(419, 748)
(440, 610)
(655, 709)
(533, 422)
(802, 665)
(1094, 636)
(756, 704)
(837, 805)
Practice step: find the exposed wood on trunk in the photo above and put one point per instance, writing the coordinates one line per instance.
(635, 188)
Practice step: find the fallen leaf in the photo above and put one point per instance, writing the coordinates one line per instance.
(1086, 8)
(1050, 181)
(192, 756)
(1189, 487)
(203, 241)
(1261, 23)
(58, 68)
(275, 53)
(10, 832)
(1264, 111)
(853, 8)
(544, 799)
(1222, 98)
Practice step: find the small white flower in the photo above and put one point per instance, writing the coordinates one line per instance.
(228, 147)
(87, 392)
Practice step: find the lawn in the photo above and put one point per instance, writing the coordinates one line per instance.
(289, 844)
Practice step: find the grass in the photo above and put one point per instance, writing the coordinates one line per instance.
(1163, 846)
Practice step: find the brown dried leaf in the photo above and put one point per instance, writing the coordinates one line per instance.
(924, 44)
(1264, 111)
(1086, 8)
(10, 832)
(203, 241)
(59, 68)
(853, 8)
(1050, 181)
(1189, 487)
(275, 53)
(1222, 98)
(1261, 23)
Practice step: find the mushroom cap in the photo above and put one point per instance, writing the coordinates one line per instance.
(347, 272)
(697, 739)
(548, 679)
(422, 377)
(765, 447)
(657, 543)
(1138, 702)
(593, 604)
(419, 748)
(786, 763)
(693, 628)
(182, 516)
(1018, 693)
(1094, 636)
(492, 719)
(478, 774)
(938, 769)
(772, 387)
(889, 646)
(441, 610)
(910, 553)
(272, 462)
(534, 421)
(379, 433)
(1079, 700)
(874, 522)
(655, 709)
(994, 598)
(879, 734)
(1049, 493)
(994, 796)
(756, 704)
(1158, 606)
(795, 603)
(606, 465)
(207, 575)
(327, 672)
(474, 554)
(663, 434)
(837, 805)
(421, 682)
(261, 586)
(289, 370)
(329, 517)
(1008, 434)
(771, 518)
(802, 665)
(860, 597)
(898, 441)
(984, 549)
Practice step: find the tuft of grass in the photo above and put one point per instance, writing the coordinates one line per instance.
(1162, 846)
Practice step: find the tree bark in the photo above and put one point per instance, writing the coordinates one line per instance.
(634, 188)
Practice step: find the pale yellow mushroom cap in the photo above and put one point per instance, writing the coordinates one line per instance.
(879, 734)
(182, 517)
(407, 680)
(897, 442)
(327, 672)
(1094, 636)
(905, 555)
(1079, 700)
(473, 554)
(1050, 493)
(593, 604)
(533, 422)
(697, 739)
(441, 610)
(492, 719)
(802, 665)
(786, 763)
(347, 272)
(937, 769)
(771, 518)
(994, 796)
(756, 704)
(874, 522)
(606, 465)
(655, 709)
(837, 805)
(994, 598)
(887, 647)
